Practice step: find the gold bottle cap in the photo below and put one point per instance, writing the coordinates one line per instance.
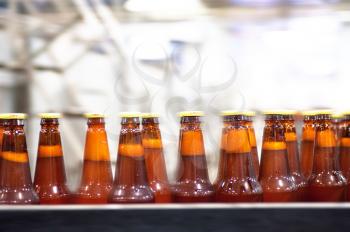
(279, 112)
(50, 115)
(94, 115)
(129, 114)
(236, 112)
(309, 112)
(345, 113)
(190, 114)
(13, 116)
(150, 115)
(337, 115)
(323, 112)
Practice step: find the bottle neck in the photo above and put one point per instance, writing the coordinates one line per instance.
(308, 131)
(274, 161)
(14, 168)
(292, 145)
(237, 156)
(49, 139)
(96, 143)
(325, 158)
(191, 147)
(131, 168)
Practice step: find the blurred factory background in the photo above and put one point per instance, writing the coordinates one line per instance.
(165, 56)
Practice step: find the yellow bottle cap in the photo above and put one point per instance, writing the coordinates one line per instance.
(279, 112)
(150, 115)
(13, 116)
(50, 115)
(323, 112)
(309, 112)
(94, 115)
(190, 114)
(337, 115)
(236, 112)
(130, 114)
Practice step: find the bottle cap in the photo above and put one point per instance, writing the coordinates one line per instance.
(94, 115)
(130, 114)
(190, 114)
(50, 115)
(280, 112)
(150, 115)
(236, 112)
(13, 116)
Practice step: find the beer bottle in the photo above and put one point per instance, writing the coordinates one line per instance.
(192, 184)
(344, 154)
(130, 184)
(1, 131)
(275, 177)
(252, 139)
(96, 181)
(15, 181)
(50, 175)
(238, 182)
(293, 153)
(338, 122)
(154, 158)
(219, 175)
(326, 182)
(308, 143)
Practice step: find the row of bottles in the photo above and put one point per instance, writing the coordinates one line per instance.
(141, 177)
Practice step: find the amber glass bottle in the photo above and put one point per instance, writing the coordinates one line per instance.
(326, 182)
(308, 143)
(96, 181)
(344, 156)
(252, 139)
(1, 131)
(219, 175)
(338, 123)
(238, 182)
(192, 184)
(293, 153)
(275, 177)
(15, 180)
(131, 183)
(50, 175)
(154, 158)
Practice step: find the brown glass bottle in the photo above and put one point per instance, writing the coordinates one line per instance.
(15, 180)
(96, 181)
(238, 182)
(275, 177)
(307, 144)
(154, 158)
(1, 131)
(221, 155)
(192, 184)
(338, 123)
(252, 140)
(344, 154)
(293, 154)
(50, 175)
(326, 182)
(131, 183)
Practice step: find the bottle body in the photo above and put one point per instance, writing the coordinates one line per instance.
(275, 177)
(293, 157)
(96, 181)
(50, 175)
(131, 183)
(344, 153)
(326, 182)
(154, 159)
(238, 182)
(307, 146)
(15, 180)
(192, 184)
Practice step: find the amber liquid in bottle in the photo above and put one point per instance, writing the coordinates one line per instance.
(221, 155)
(15, 180)
(154, 158)
(344, 156)
(131, 183)
(326, 182)
(307, 146)
(275, 177)
(50, 175)
(193, 184)
(96, 181)
(293, 157)
(238, 182)
(252, 140)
